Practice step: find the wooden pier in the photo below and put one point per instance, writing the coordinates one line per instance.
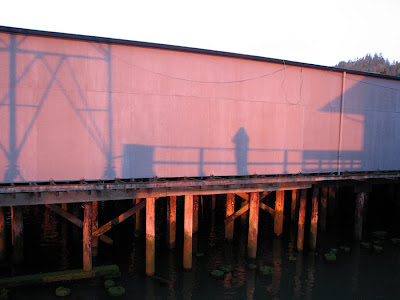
(251, 190)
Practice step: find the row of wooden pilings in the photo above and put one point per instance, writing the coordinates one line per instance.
(251, 203)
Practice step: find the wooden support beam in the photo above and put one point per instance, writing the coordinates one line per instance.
(110, 271)
(358, 220)
(268, 209)
(253, 225)
(302, 217)
(195, 213)
(188, 233)
(213, 200)
(66, 215)
(295, 197)
(138, 222)
(95, 226)
(323, 209)
(106, 227)
(87, 236)
(230, 210)
(264, 195)
(244, 196)
(238, 213)
(64, 206)
(2, 235)
(150, 236)
(332, 201)
(245, 216)
(17, 234)
(171, 204)
(74, 220)
(278, 217)
(79, 196)
(314, 219)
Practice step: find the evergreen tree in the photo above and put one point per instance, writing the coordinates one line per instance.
(373, 64)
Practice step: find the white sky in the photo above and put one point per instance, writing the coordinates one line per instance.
(311, 31)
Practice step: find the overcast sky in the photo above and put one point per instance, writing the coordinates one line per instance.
(311, 31)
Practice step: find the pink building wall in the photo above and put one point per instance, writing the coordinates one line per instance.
(73, 110)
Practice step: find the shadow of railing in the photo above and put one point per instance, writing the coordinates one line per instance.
(144, 161)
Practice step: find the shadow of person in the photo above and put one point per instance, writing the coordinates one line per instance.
(241, 141)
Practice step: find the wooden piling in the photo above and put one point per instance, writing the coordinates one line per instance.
(253, 225)
(95, 226)
(87, 236)
(64, 206)
(150, 236)
(244, 218)
(301, 221)
(17, 234)
(195, 213)
(332, 201)
(2, 235)
(171, 222)
(188, 233)
(314, 219)
(278, 216)
(230, 209)
(358, 220)
(213, 200)
(324, 202)
(138, 223)
(293, 207)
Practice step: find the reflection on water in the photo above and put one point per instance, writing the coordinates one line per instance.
(360, 274)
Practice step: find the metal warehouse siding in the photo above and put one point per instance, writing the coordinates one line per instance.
(74, 109)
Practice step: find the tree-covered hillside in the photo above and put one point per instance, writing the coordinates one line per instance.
(374, 64)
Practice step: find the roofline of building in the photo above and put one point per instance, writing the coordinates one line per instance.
(69, 36)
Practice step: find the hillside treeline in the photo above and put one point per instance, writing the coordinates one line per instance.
(374, 64)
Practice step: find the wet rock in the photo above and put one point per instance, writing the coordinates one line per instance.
(377, 249)
(379, 234)
(395, 241)
(226, 268)
(266, 270)
(330, 257)
(345, 249)
(292, 258)
(3, 294)
(377, 242)
(217, 273)
(116, 291)
(365, 245)
(62, 291)
(109, 283)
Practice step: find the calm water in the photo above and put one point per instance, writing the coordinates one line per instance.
(52, 244)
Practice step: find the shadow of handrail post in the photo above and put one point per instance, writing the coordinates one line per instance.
(109, 171)
(241, 141)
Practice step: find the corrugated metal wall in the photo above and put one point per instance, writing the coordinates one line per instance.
(75, 109)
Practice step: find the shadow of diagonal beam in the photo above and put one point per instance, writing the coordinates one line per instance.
(74, 220)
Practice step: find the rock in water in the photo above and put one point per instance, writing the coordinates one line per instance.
(217, 273)
(62, 291)
(226, 268)
(116, 291)
(109, 283)
(266, 270)
(330, 257)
